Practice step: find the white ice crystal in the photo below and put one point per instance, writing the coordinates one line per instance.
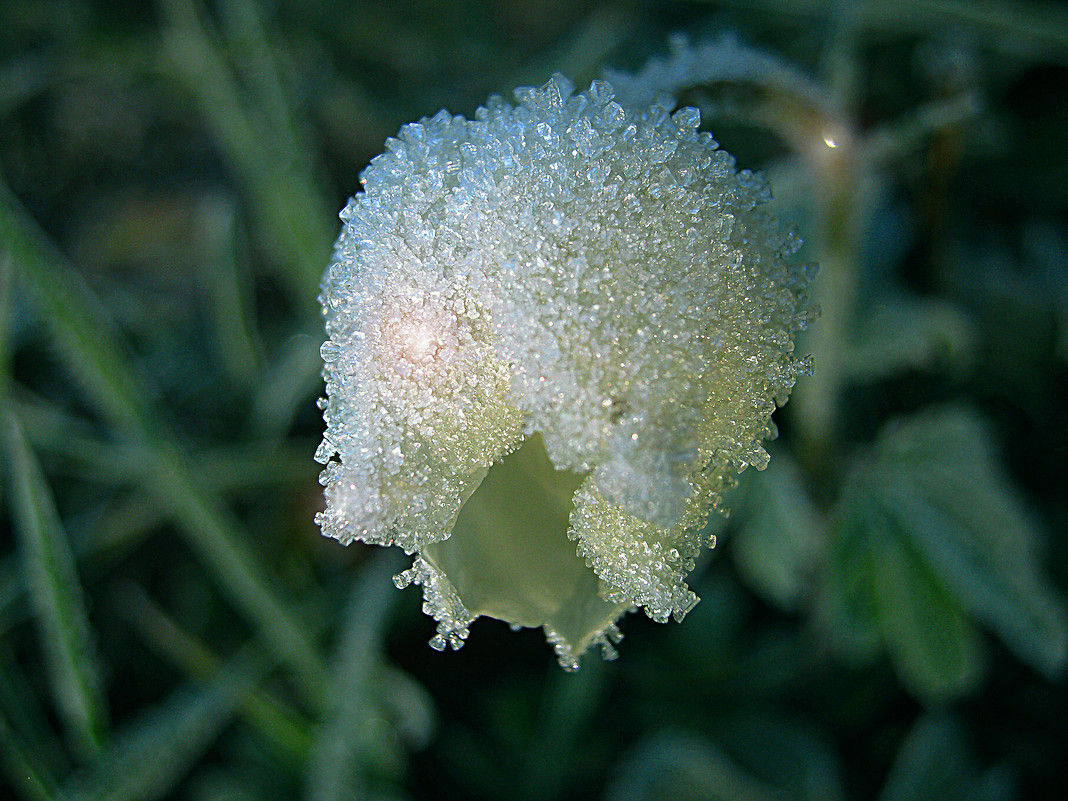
(592, 282)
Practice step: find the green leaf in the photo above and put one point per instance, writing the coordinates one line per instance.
(967, 522)
(685, 767)
(847, 607)
(57, 596)
(931, 641)
(950, 546)
(149, 759)
(780, 539)
(934, 764)
(909, 334)
(789, 753)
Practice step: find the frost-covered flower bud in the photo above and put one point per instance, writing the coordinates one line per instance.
(584, 298)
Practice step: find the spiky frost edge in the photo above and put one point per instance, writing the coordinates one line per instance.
(442, 602)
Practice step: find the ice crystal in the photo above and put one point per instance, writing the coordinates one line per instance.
(591, 281)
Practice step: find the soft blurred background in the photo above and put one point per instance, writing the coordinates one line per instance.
(884, 615)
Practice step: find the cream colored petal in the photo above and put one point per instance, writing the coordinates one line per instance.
(509, 556)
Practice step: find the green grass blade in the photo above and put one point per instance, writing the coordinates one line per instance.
(248, 40)
(21, 766)
(334, 767)
(149, 759)
(292, 218)
(92, 350)
(124, 522)
(29, 747)
(277, 722)
(228, 284)
(85, 337)
(214, 531)
(57, 596)
(7, 274)
(293, 378)
(232, 467)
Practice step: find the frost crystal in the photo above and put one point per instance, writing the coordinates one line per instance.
(582, 296)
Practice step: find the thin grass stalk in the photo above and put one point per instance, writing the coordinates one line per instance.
(150, 758)
(27, 738)
(247, 36)
(292, 216)
(278, 723)
(55, 588)
(95, 353)
(7, 282)
(121, 527)
(228, 284)
(22, 767)
(335, 766)
(290, 380)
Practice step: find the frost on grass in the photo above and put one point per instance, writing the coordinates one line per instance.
(725, 60)
(556, 331)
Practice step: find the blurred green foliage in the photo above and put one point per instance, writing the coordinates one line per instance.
(884, 616)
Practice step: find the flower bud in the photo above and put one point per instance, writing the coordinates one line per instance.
(556, 331)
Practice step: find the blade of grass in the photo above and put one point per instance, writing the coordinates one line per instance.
(582, 50)
(82, 327)
(231, 467)
(94, 352)
(290, 381)
(27, 736)
(293, 219)
(118, 527)
(152, 756)
(22, 767)
(229, 287)
(279, 724)
(340, 750)
(56, 591)
(248, 41)
(7, 272)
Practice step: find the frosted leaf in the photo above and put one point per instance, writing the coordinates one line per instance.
(555, 333)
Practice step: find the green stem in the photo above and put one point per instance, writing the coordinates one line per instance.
(840, 212)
